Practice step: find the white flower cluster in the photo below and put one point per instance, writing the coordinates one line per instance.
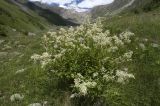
(16, 97)
(35, 104)
(125, 36)
(123, 76)
(97, 49)
(126, 57)
(20, 71)
(82, 85)
(45, 58)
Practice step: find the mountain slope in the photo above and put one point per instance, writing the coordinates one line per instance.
(49, 15)
(107, 9)
(68, 14)
(124, 5)
(18, 19)
(145, 5)
(27, 17)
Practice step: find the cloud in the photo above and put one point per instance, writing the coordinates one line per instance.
(78, 5)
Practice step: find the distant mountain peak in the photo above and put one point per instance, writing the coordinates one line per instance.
(77, 5)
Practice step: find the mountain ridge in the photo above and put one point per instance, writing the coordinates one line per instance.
(34, 16)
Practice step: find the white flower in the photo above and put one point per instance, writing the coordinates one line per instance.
(55, 46)
(57, 56)
(52, 34)
(108, 77)
(123, 76)
(79, 75)
(70, 44)
(83, 85)
(142, 46)
(45, 38)
(45, 103)
(113, 49)
(35, 57)
(95, 74)
(145, 39)
(20, 71)
(107, 32)
(71, 30)
(103, 69)
(102, 39)
(45, 55)
(128, 55)
(118, 41)
(83, 89)
(35, 104)
(62, 31)
(74, 95)
(16, 97)
(125, 36)
(44, 59)
(91, 84)
(80, 39)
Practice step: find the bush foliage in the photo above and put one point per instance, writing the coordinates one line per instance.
(89, 56)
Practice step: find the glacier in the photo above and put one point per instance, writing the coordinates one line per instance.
(77, 5)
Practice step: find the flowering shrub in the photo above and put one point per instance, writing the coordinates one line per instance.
(89, 56)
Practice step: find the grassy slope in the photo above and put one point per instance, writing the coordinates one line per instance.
(36, 87)
(102, 10)
(145, 90)
(137, 6)
(146, 24)
(27, 17)
(146, 5)
(33, 82)
(49, 15)
(13, 17)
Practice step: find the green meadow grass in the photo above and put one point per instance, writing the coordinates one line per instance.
(145, 90)
(37, 86)
(13, 17)
(34, 83)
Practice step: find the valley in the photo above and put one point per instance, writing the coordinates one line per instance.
(27, 33)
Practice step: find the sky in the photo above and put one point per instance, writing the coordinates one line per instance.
(77, 5)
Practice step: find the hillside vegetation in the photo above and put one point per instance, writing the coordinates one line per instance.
(12, 17)
(26, 17)
(108, 9)
(136, 7)
(73, 53)
(144, 91)
(146, 5)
